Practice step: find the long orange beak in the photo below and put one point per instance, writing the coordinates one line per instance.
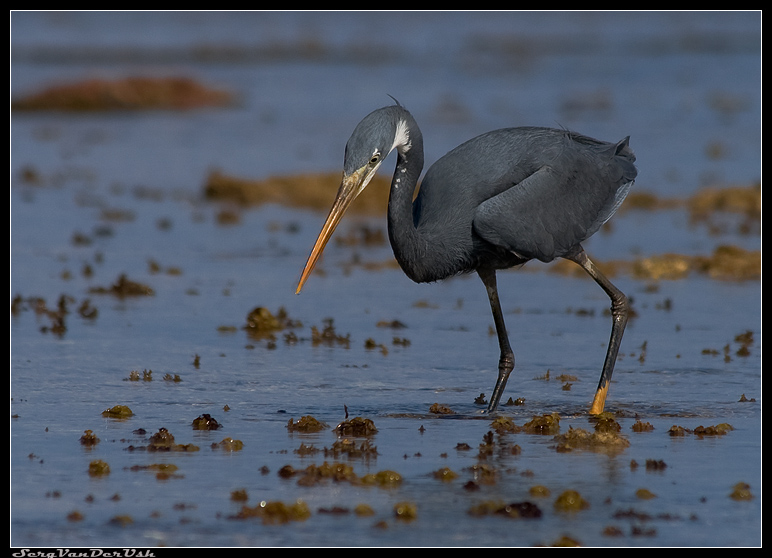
(350, 187)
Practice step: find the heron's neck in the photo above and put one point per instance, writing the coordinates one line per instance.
(409, 247)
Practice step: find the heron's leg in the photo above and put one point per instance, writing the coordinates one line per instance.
(507, 358)
(620, 310)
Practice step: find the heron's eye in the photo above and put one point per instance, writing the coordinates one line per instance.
(374, 159)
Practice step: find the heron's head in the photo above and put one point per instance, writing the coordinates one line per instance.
(373, 139)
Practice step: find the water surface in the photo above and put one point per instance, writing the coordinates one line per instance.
(685, 87)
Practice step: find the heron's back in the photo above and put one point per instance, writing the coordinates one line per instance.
(536, 192)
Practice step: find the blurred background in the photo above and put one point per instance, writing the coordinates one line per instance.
(684, 85)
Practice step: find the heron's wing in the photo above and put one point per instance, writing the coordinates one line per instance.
(553, 210)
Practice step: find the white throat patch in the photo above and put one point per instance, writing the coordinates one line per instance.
(402, 138)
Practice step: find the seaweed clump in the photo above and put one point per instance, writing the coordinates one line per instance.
(316, 474)
(89, 438)
(545, 424)
(570, 501)
(351, 449)
(98, 468)
(118, 411)
(438, 409)
(131, 93)
(514, 510)
(328, 336)
(741, 492)
(261, 321)
(275, 512)
(717, 430)
(599, 441)
(123, 288)
(229, 444)
(356, 426)
(307, 424)
(205, 422)
(312, 191)
(163, 440)
(728, 263)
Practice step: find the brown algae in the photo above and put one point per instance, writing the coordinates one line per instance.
(346, 447)
(98, 468)
(717, 430)
(229, 444)
(570, 501)
(89, 438)
(306, 424)
(383, 479)
(205, 422)
(118, 411)
(514, 510)
(131, 93)
(124, 287)
(356, 426)
(644, 494)
(163, 440)
(311, 191)
(406, 511)
(599, 441)
(438, 409)
(445, 474)
(741, 492)
(545, 424)
(276, 512)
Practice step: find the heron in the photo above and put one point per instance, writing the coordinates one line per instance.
(495, 202)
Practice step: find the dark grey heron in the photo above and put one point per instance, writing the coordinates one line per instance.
(497, 201)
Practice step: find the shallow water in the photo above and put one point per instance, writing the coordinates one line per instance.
(680, 85)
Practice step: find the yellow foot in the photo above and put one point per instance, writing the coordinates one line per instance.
(600, 400)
